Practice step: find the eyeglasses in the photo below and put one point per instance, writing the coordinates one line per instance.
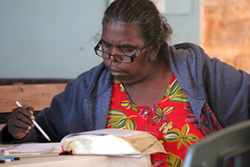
(119, 58)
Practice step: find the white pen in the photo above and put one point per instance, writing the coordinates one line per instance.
(36, 124)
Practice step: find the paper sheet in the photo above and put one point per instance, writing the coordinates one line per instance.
(35, 147)
(115, 132)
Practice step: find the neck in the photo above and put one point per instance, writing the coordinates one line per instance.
(158, 73)
(153, 87)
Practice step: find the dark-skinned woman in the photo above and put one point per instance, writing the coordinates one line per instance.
(177, 93)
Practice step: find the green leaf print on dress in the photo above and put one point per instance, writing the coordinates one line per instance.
(118, 119)
(174, 161)
(175, 93)
(184, 138)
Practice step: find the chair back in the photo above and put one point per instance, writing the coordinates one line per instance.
(216, 149)
(38, 96)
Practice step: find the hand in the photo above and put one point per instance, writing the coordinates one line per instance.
(20, 122)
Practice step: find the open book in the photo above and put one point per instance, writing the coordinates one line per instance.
(115, 142)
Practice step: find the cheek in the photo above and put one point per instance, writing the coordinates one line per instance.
(106, 62)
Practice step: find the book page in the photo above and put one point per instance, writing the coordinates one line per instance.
(114, 132)
(35, 147)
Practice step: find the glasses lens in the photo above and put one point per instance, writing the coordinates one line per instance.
(106, 55)
(102, 54)
(121, 58)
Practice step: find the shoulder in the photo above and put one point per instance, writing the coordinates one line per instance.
(186, 56)
(187, 51)
(91, 78)
(96, 73)
(188, 45)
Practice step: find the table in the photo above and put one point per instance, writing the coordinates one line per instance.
(80, 161)
(54, 160)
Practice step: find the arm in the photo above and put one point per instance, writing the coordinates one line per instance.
(82, 106)
(227, 91)
(19, 127)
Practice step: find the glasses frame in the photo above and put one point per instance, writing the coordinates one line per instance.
(132, 57)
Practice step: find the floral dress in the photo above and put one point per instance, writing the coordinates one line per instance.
(171, 121)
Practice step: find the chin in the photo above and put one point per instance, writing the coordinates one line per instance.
(126, 81)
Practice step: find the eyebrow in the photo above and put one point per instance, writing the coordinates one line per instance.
(120, 46)
(105, 42)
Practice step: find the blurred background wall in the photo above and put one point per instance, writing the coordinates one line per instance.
(55, 38)
(48, 38)
(226, 31)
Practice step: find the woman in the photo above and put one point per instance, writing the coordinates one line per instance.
(177, 93)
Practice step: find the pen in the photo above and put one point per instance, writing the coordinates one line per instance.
(36, 124)
(10, 158)
(4, 160)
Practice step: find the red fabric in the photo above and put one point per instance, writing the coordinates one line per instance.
(171, 121)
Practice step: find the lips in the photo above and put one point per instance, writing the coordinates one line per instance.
(115, 73)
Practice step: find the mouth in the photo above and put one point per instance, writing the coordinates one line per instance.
(115, 73)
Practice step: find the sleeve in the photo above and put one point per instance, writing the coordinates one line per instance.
(57, 119)
(65, 111)
(227, 91)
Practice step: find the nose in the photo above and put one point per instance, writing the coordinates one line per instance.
(114, 51)
(112, 58)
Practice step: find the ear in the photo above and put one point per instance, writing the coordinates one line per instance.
(154, 50)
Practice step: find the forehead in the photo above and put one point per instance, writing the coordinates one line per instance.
(118, 31)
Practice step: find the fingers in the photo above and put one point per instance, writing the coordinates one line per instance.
(19, 135)
(20, 121)
(31, 110)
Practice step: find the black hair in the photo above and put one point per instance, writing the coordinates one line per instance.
(144, 13)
